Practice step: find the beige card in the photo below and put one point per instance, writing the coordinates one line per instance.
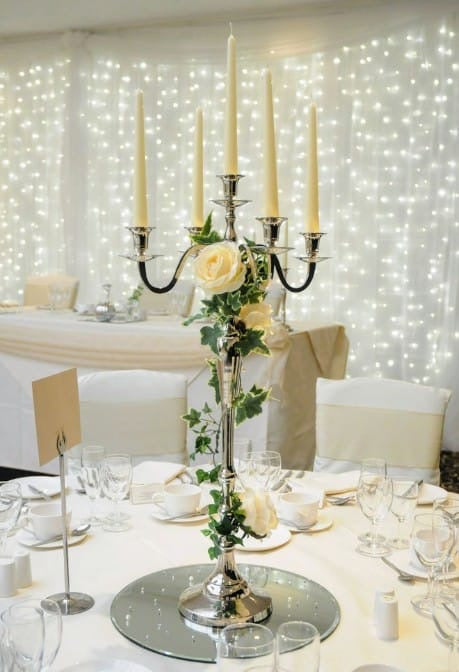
(57, 410)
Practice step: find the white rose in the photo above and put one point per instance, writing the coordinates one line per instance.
(256, 315)
(260, 514)
(219, 268)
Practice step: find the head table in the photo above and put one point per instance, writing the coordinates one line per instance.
(38, 343)
(103, 563)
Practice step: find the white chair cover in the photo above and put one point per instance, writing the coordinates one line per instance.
(136, 412)
(179, 300)
(36, 290)
(370, 417)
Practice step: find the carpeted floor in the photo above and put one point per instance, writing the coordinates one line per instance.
(449, 469)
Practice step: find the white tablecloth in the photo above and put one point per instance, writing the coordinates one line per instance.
(36, 343)
(105, 562)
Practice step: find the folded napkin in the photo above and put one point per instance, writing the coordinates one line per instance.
(331, 484)
(156, 472)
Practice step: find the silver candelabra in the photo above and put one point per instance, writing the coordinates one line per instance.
(225, 596)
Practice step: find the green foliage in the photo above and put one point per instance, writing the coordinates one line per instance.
(229, 525)
(207, 235)
(249, 404)
(136, 293)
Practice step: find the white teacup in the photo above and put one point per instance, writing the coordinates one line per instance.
(299, 508)
(46, 520)
(179, 498)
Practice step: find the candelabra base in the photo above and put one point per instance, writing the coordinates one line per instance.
(244, 606)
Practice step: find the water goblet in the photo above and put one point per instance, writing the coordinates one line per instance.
(91, 467)
(25, 636)
(432, 538)
(116, 481)
(10, 509)
(52, 619)
(450, 511)
(377, 465)
(298, 647)
(246, 647)
(266, 467)
(404, 500)
(374, 495)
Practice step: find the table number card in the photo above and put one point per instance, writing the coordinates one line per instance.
(57, 409)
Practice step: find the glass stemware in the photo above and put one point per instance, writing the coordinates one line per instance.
(91, 462)
(374, 495)
(450, 511)
(432, 538)
(298, 647)
(446, 620)
(260, 470)
(116, 481)
(245, 647)
(404, 500)
(52, 619)
(25, 636)
(10, 509)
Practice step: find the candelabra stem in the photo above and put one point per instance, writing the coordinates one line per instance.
(178, 270)
(277, 266)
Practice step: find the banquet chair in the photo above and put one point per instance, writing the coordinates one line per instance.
(372, 417)
(136, 412)
(178, 301)
(37, 289)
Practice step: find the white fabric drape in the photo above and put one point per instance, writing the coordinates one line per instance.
(385, 79)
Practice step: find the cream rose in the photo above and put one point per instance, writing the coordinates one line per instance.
(256, 315)
(260, 514)
(219, 268)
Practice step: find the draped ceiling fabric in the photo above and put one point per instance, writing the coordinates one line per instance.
(385, 78)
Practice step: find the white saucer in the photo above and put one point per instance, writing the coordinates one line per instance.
(429, 493)
(159, 514)
(51, 485)
(324, 522)
(402, 560)
(376, 667)
(100, 665)
(278, 537)
(27, 538)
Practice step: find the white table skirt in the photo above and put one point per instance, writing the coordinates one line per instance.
(105, 562)
(35, 343)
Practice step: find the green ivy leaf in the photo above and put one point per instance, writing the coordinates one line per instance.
(193, 417)
(252, 341)
(207, 235)
(249, 404)
(210, 335)
(214, 383)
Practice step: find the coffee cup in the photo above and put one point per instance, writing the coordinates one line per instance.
(179, 498)
(299, 508)
(46, 520)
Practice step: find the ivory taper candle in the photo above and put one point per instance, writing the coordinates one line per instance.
(198, 177)
(271, 199)
(230, 167)
(140, 171)
(312, 217)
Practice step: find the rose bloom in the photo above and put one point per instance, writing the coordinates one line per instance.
(260, 514)
(256, 315)
(219, 268)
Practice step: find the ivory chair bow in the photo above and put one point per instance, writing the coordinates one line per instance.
(369, 417)
(37, 289)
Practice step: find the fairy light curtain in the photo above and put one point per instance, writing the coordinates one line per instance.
(388, 110)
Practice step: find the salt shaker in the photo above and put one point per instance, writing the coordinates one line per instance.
(385, 614)
(23, 569)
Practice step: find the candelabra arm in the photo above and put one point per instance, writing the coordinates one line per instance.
(177, 273)
(276, 266)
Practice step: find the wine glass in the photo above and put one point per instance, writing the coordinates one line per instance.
(52, 619)
(265, 468)
(404, 500)
(25, 636)
(91, 463)
(298, 647)
(378, 465)
(450, 511)
(116, 481)
(432, 539)
(374, 495)
(10, 509)
(246, 647)
(446, 619)
(6, 657)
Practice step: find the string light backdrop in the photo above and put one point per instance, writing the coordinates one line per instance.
(388, 111)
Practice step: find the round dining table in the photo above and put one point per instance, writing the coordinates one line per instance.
(104, 562)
